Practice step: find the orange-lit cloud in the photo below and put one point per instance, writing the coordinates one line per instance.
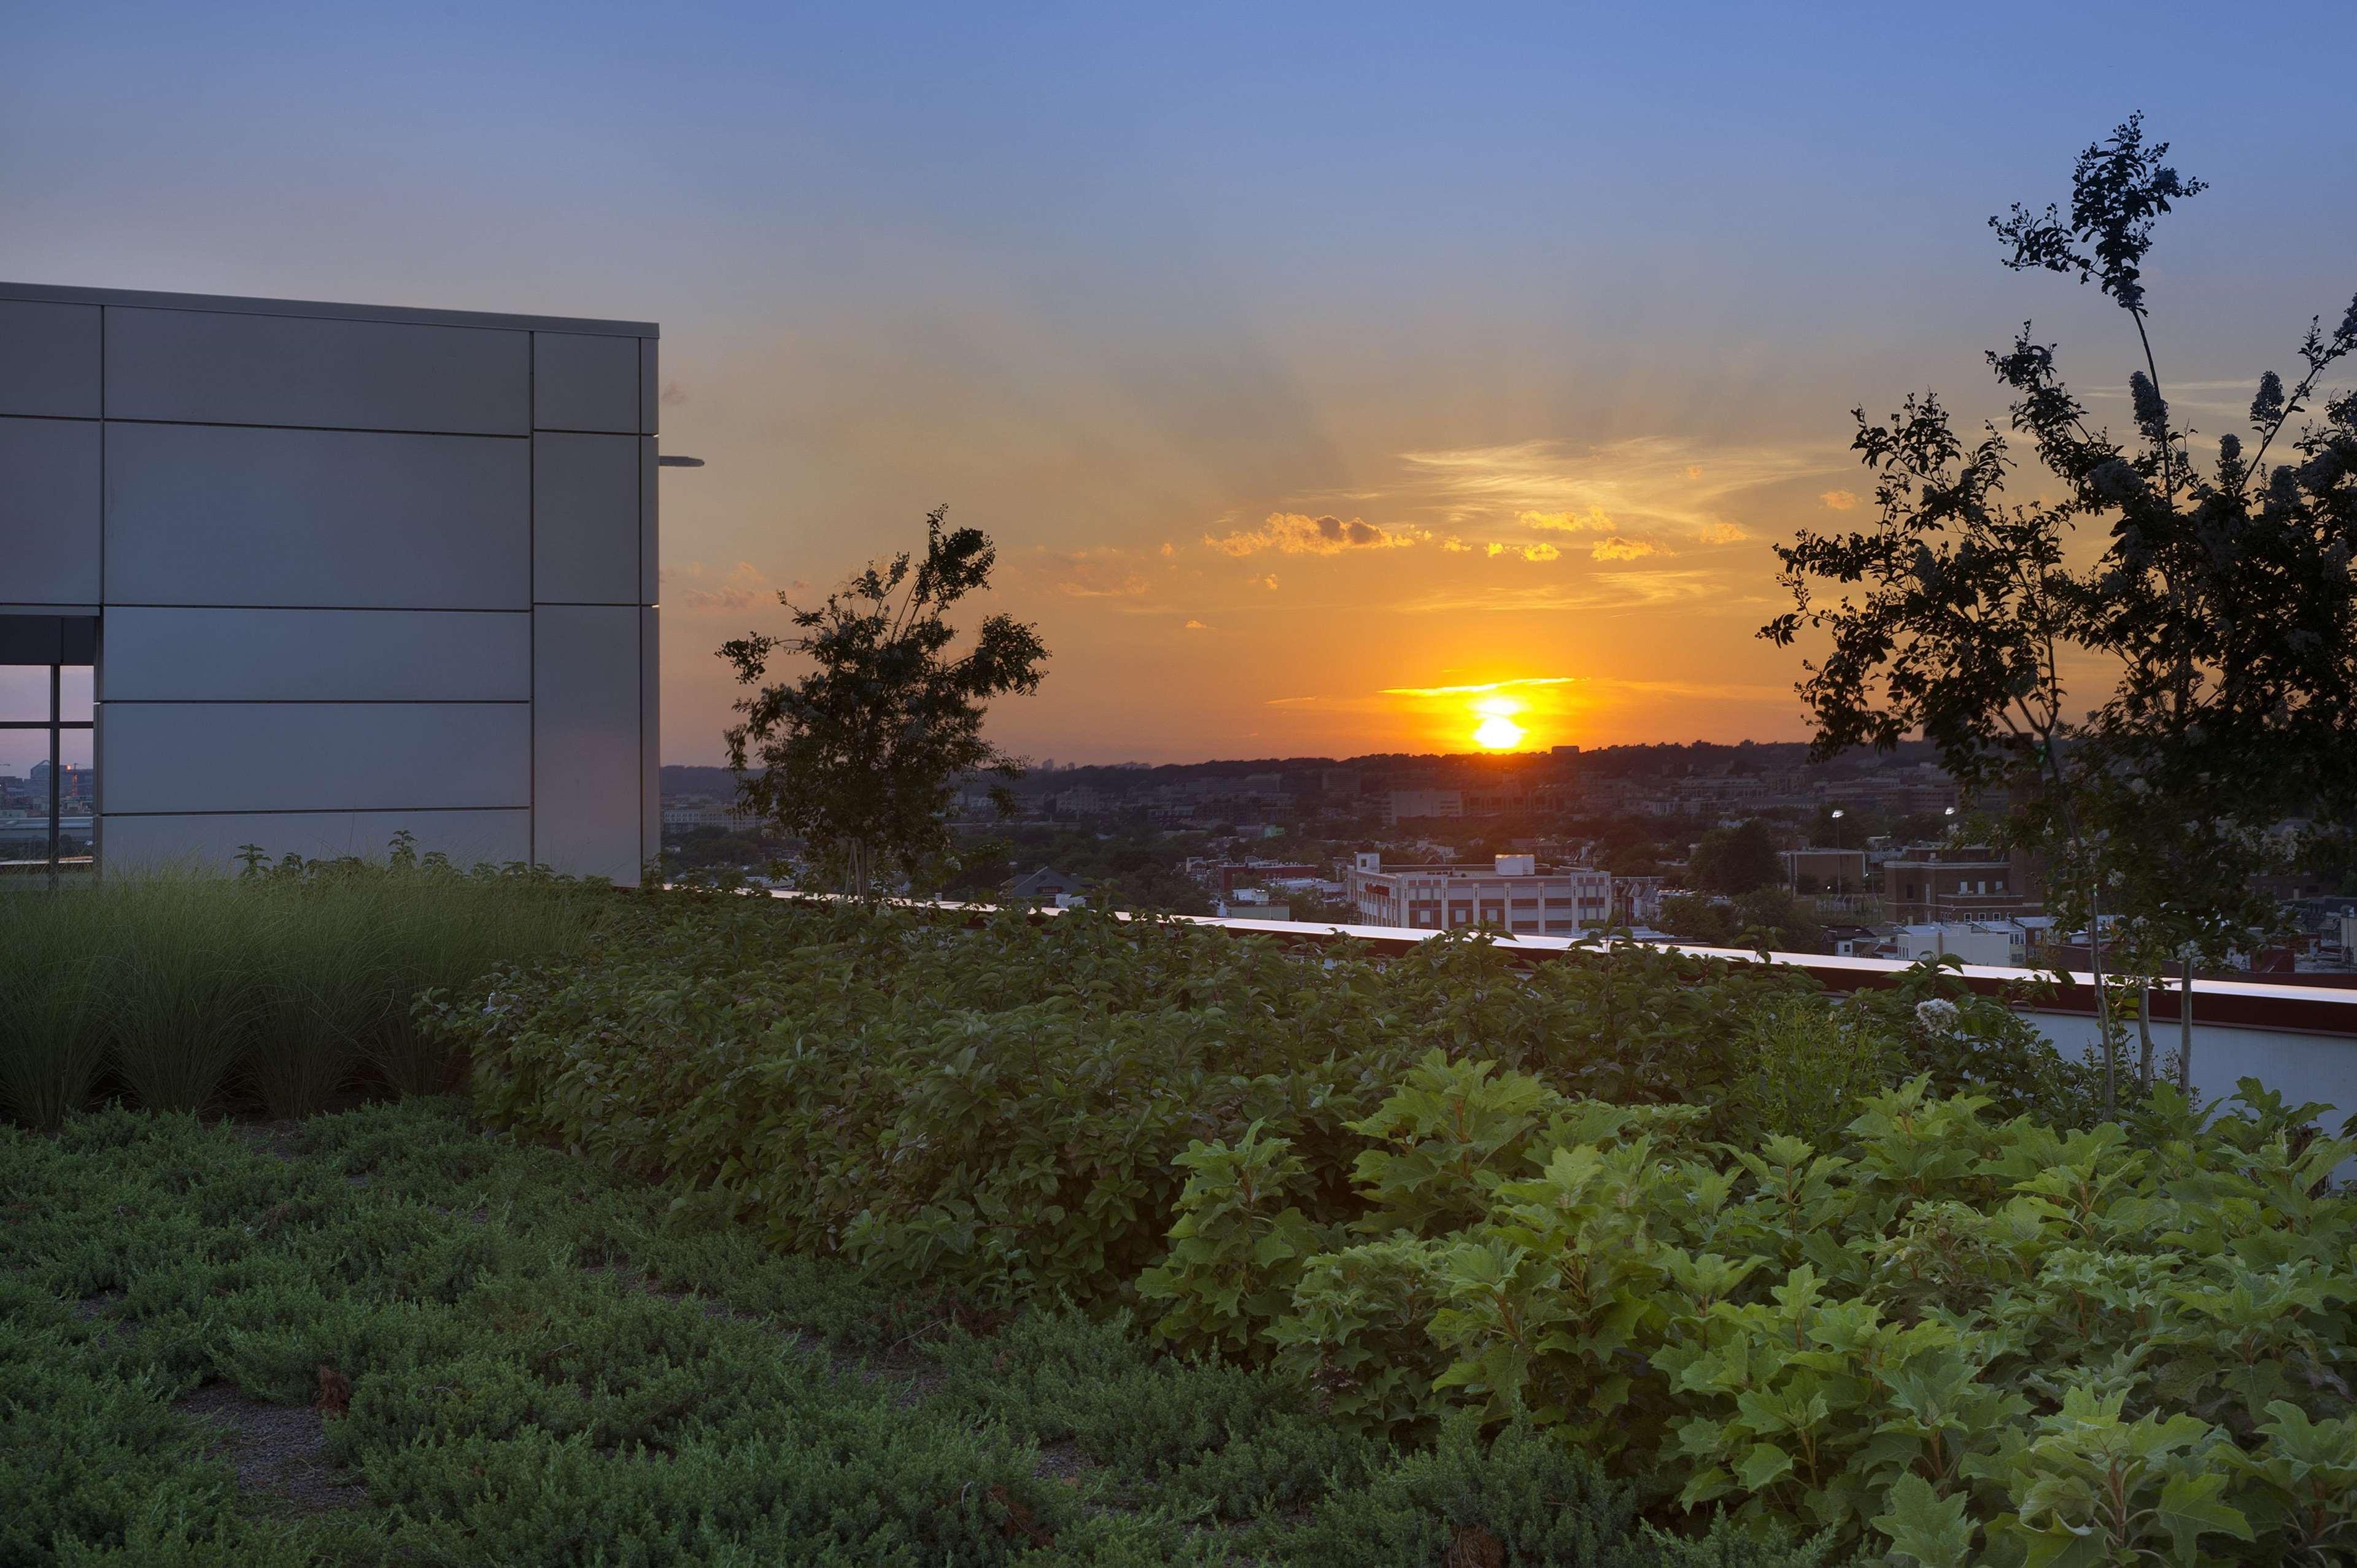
(1542, 551)
(1295, 533)
(1194, 626)
(1482, 688)
(1723, 533)
(1619, 549)
(1592, 520)
(1839, 501)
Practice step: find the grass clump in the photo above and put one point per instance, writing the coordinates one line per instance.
(282, 987)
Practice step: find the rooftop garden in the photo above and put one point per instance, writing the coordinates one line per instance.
(761, 1230)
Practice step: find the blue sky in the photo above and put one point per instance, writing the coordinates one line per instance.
(1146, 293)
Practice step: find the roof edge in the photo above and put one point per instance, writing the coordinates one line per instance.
(235, 304)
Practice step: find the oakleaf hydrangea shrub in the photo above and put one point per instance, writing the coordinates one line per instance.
(1950, 1338)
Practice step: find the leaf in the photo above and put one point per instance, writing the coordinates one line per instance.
(1923, 1525)
(2191, 1507)
(1763, 1467)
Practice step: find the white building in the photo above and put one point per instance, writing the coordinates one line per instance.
(1513, 892)
(2003, 943)
(343, 572)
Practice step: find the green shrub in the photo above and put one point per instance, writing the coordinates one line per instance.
(1002, 1109)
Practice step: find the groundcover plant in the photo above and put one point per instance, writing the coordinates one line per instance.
(385, 1336)
(1969, 1322)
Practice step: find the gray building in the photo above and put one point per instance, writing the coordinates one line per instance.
(342, 570)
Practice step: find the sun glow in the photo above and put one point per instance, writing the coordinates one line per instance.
(1498, 733)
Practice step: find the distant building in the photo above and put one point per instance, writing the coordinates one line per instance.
(1834, 870)
(679, 816)
(1513, 892)
(1636, 900)
(1418, 805)
(1045, 886)
(1931, 883)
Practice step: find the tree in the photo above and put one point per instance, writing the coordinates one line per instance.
(860, 754)
(1735, 860)
(2219, 599)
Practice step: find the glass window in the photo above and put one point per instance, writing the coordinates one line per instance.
(25, 694)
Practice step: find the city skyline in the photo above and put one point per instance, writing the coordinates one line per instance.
(1347, 388)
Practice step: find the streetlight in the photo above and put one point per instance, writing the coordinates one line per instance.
(1838, 815)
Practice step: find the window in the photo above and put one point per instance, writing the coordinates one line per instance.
(47, 717)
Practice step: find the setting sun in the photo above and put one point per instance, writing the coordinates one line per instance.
(1498, 733)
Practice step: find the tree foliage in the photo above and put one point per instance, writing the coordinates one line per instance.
(1735, 860)
(2217, 596)
(860, 754)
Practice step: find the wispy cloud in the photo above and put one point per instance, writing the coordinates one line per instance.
(689, 587)
(1656, 487)
(1839, 501)
(1631, 588)
(1107, 572)
(1619, 549)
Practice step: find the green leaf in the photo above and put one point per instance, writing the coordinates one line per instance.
(2191, 1507)
(1923, 1525)
(1763, 1467)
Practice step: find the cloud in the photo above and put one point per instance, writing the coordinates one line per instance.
(1542, 551)
(1168, 550)
(1194, 626)
(1839, 501)
(1723, 533)
(745, 587)
(1693, 470)
(1295, 533)
(1269, 582)
(1619, 549)
(1592, 520)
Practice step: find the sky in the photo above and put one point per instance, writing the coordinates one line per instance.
(1332, 379)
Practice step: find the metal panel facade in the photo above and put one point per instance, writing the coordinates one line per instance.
(588, 747)
(48, 512)
(222, 368)
(317, 756)
(229, 515)
(161, 654)
(48, 358)
(352, 568)
(584, 519)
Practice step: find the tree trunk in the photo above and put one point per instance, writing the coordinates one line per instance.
(2185, 1027)
(2103, 1001)
(2143, 1031)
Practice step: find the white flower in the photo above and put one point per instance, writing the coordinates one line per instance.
(1936, 1013)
